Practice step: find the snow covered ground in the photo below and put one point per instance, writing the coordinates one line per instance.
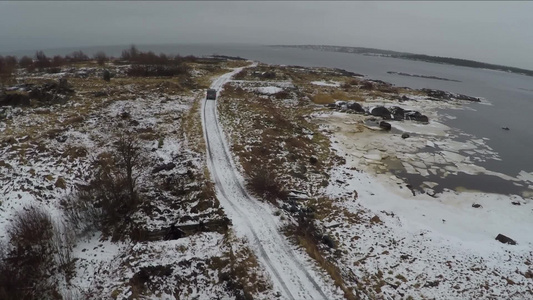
(326, 83)
(426, 245)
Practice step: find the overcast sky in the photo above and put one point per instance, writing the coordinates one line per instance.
(496, 32)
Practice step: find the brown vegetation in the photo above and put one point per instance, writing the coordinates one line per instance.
(110, 198)
(38, 251)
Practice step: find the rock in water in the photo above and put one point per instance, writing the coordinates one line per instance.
(405, 135)
(416, 116)
(505, 239)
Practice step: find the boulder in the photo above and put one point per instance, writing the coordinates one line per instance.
(381, 111)
(63, 84)
(405, 135)
(505, 239)
(385, 125)
(398, 113)
(475, 205)
(340, 103)
(416, 116)
(106, 75)
(165, 167)
(328, 241)
(355, 107)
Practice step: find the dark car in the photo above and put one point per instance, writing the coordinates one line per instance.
(211, 94)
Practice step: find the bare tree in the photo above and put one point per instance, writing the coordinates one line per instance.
(130, 54)
(78, 56)
(128, 151)
(111, 196)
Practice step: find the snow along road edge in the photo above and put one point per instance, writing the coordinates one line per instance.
(251, 219)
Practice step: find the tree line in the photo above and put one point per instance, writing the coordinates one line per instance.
(41, 62)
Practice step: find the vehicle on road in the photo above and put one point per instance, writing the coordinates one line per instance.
(211, 94)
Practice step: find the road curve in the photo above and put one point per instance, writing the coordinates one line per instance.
(251, 219)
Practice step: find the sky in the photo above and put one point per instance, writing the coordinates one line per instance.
(494, 32)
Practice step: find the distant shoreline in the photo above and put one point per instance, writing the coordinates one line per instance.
(412, 56)
(422, 76)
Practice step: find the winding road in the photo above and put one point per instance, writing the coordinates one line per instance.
(252, 219)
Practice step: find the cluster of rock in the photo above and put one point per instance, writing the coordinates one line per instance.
(442, 95)
(395, 113)
(51, 93)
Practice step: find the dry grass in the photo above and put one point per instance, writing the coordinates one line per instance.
(239, 269)
(305, 234)
(340, 95)
(192, 129)
(322, 98)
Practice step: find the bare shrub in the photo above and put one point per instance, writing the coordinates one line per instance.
(130, 54)
(7, 67)
(157, 71)
(241, 75)
(78, 56)
(37, 253)
(41, 61)
(100, 57)
(367, 85)
(58, 61)
(309, 237)
(25, 62)
(282, 95)
(109, 199)
(128, 149)
(263, 183)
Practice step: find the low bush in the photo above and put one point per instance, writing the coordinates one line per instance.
(367, 85)
(157, 70)
(282, 95)
(263, 183)
(37, 254)
(100, 58)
